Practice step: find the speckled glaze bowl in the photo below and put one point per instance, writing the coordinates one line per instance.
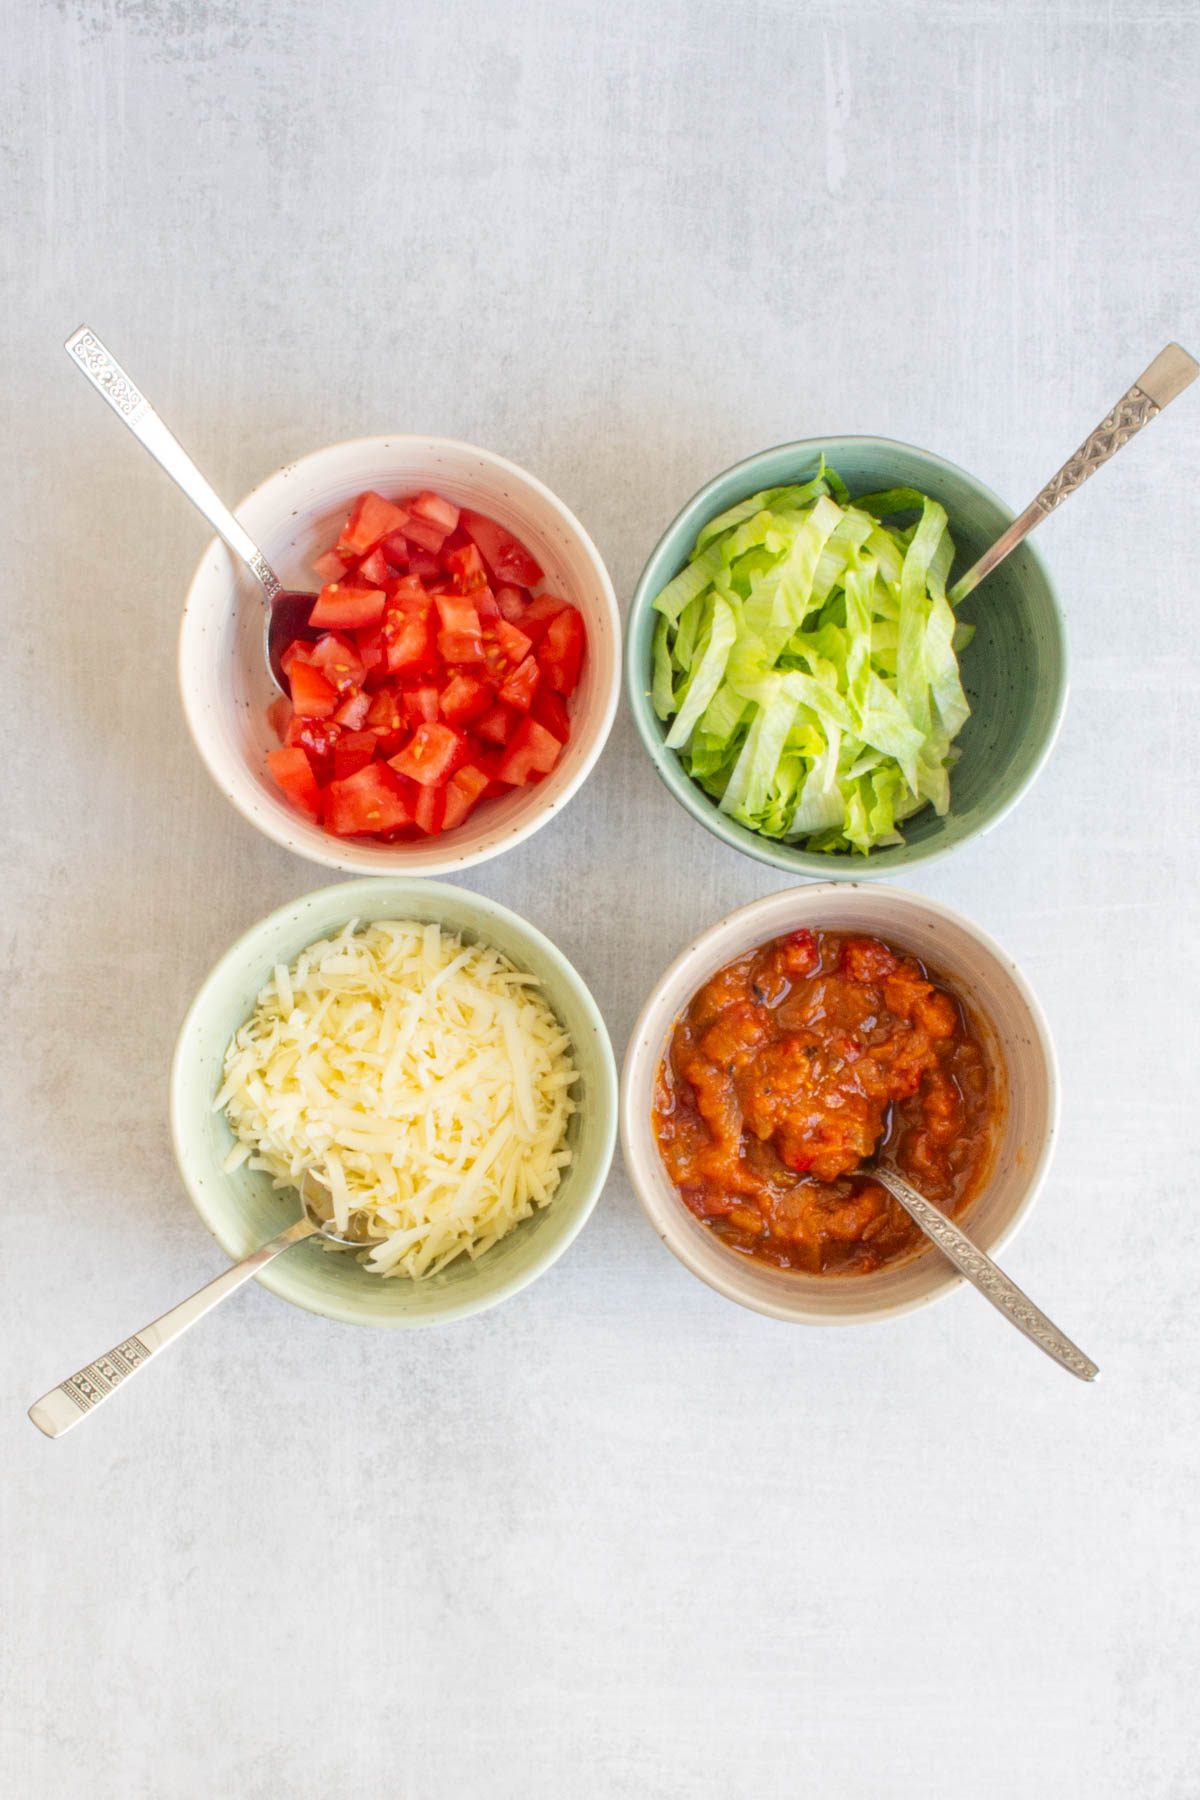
(1015, 1037)
(227, 687)
(1014, 671)
(245, 1209)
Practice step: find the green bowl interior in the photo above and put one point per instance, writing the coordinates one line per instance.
(1014, 670)
(244, 1209)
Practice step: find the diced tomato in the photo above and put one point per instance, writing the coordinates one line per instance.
(512, 602)
(278, 714)
(371, 648)
(550, 710)
(532, 752)
(299, 647)
(371, 518)
(518, 689)
(425, 535)
(497, 724)
(420, 703)
(430, 809)
(387, 720)
(459, 640)
(338, 659)
(463, 792)
(409, 636)
(395, 549)
(330, 566)
(561, 650)
(423, 563)
(375, 569)
(352, 713)
(353, 751)
(506, 557)
(312, 696)
(294, 773)
(316, 737)
(432, 755)
(464, 699)
(866, 959)
(465, 567)
(485, 604)
(340, 607)
(434, 510)
(367, 801)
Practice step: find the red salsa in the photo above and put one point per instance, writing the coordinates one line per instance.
(795, 1064)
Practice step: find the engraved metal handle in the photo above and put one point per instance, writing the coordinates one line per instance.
(1171, 371)
(84, 1391)
(132, 407)
(984, 1274)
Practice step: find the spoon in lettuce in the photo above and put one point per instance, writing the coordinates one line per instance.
(1171, 371)
(287, 609)
(80, 1394)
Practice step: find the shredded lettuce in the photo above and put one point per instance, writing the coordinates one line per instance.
(805, 663)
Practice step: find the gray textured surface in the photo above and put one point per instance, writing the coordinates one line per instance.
(618, 1538)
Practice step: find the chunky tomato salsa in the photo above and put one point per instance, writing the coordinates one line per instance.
(795, 1064)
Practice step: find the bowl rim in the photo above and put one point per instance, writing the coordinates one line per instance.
(425, 893)
(344, 855)
(788, 859)
(639, 1063)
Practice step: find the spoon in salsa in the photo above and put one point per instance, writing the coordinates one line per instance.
(288, 610)
(80, 1394)
(983, 1273)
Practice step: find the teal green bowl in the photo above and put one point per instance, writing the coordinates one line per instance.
(1014, 671)
(245, 1209)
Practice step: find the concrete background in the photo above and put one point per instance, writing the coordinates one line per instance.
(618, 1538)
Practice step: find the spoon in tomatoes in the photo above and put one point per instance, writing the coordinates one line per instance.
(984, 1274)
(287, 609)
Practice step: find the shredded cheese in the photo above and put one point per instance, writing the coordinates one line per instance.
(421, 1081)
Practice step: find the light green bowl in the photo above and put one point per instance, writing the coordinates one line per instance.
(244, 1209)
(1014, 671)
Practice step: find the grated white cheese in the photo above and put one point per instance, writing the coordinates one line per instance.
(421, 1081)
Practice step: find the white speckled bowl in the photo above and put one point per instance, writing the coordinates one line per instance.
(227, 687)
(1015, 1035)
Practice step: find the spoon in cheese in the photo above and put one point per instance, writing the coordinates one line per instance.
(288, 609)
(80, 1394)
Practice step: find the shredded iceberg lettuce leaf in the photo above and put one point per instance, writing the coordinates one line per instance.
(805, 663)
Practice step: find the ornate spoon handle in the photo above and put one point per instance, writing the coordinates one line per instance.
(984, 1274)
(81, 1393)
(1171, 371)
(132, 407)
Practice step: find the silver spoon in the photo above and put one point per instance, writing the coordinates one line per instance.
(984, 1274)
(1171, 371)
(287, 609)
(80, 1394)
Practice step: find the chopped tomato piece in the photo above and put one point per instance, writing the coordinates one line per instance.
(512, 602)
(465, 567)
(506, 557)
(395, 549)
(425, 535)
(532, 752)
(299, 647)
(375, 569)
(420, 703)
(367, 801)
(866, 959)
(550, 710)
(561, 651)
(353, 751)
(343, 608)
(459, 640)
(371, 518)
(387, 719)
(330, 566)
(463, 792)
(464, 699)
(518, 689)
(434, 510)
(278, 714)
(429, 810)
(504, 648)
(338, 659)
(316, 737)
(423, 563)
(312, 696)
(352, 713)
(409, 636)
(432, 755)
(294, 773)
(537, 617)
(485, 604)
(371, 647)
(497, 724)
